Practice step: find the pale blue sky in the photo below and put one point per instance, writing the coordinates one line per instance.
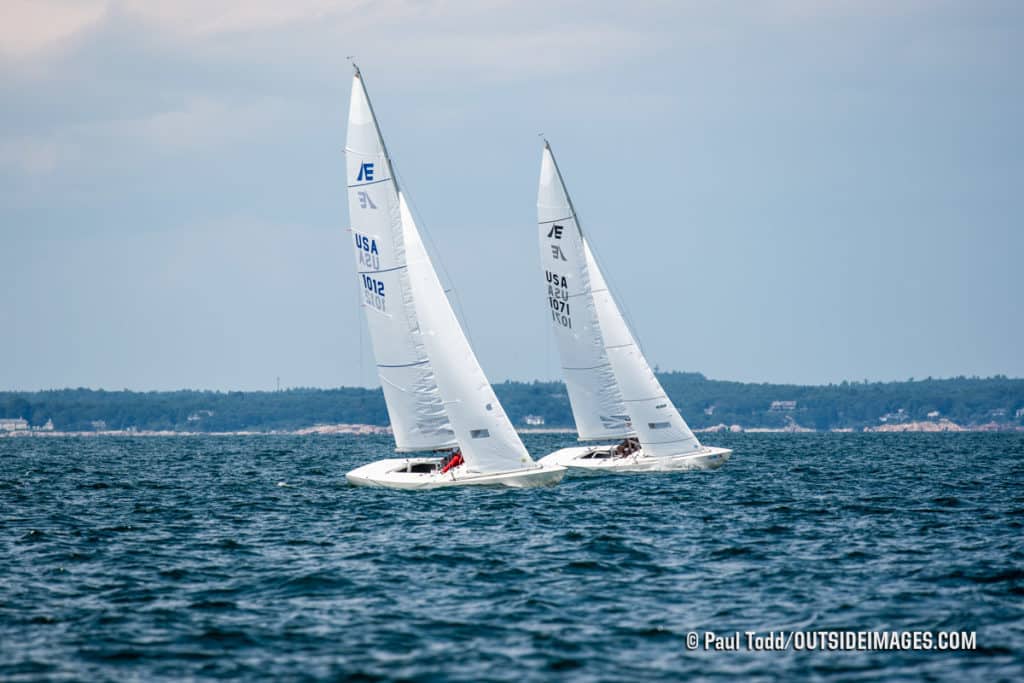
(788, 191)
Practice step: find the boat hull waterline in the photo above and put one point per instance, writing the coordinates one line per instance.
(600, 460)
(399, 473)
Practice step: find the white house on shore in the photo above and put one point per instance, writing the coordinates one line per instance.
(13, 424)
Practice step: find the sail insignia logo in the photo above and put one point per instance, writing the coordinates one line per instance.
(557, 254)
(365, 172)
(556, 232)
(365, 202)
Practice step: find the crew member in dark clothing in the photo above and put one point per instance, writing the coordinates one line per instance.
(628, 447)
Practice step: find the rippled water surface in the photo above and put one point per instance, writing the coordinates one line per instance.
(249, 557)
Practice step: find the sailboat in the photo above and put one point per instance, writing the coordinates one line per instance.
(438, 399)
(613, 392)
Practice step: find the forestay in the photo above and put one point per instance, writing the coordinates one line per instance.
(594, 394)
(488, 441)
(418, 417)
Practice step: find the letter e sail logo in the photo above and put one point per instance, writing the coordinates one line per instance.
(365, 202)
(365, 172)
(556, 232)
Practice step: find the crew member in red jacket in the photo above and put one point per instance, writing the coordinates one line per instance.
(453, 461)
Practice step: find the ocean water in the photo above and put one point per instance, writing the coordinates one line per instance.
(250, 558)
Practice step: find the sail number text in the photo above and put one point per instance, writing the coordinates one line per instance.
(368, 253)
(373, 293)
(369, 259)
(558, 299)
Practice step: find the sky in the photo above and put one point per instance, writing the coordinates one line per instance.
(783, 191)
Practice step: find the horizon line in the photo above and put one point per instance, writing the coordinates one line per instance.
(273, 390)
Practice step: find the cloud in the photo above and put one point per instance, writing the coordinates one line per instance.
(31, 26)
(86, 84)
(496, 36)
(30, 156)
(203, 122)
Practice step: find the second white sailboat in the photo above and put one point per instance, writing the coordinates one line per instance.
(613, 392)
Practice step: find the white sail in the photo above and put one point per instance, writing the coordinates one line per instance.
(594, 394)
(658, 424)
(417, 414)
(487, 438)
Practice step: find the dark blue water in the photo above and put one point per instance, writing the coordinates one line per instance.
(249, 557)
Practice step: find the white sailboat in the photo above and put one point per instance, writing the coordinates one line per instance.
(437, 396)
(613, 392)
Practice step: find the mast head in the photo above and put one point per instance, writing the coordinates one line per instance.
(355, 66)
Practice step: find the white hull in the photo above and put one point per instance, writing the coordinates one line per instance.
(601, 459)
(400, 473)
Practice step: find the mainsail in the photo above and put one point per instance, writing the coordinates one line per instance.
(594, 394)
(418, 417)
(657, 423)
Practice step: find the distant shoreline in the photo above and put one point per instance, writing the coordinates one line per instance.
(976, 404)
(920, 427)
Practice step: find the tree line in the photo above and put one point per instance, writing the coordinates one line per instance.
(703, 402)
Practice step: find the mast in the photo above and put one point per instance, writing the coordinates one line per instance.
(376, 126)
(565, 188)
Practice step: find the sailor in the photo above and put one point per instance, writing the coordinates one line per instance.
(453, 461)
(629, 446)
